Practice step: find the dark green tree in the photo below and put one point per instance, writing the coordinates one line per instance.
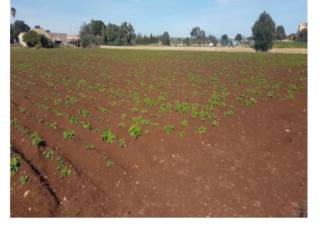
(224, 40)
(198, 35)
(96, 27)
(263, 32)
(238, 37)
(280, 33)
(18, 27)
(87, 38)
(165, 39)
(213, 40)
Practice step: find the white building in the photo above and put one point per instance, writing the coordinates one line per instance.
(302, 26)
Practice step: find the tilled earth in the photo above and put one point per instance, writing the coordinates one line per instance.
(251, 163)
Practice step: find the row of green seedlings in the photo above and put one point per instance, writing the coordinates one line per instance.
(15, 165)
(62, 168)
(37, 141)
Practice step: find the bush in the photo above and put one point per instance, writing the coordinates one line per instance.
(31, 38)
(263, 32)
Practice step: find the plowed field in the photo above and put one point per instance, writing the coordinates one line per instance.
(126, 133)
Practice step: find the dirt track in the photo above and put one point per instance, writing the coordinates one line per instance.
(211, 49)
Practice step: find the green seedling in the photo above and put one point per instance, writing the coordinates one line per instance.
(184, 123)
(36, 140)
(122, 125)
(108, 136)
(23, 179)
(15, 164)
(84, 113)
(64, 171)
(135, 131)
(182, 134)
(68, 134)
(87, 125)
(201, 130)
(90, 146)
(53, 125)
(169, 129)
(48, 154)
(122, 143)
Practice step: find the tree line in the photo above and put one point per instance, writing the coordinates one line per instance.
(96, 33)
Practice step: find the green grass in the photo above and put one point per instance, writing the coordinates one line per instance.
(294, 44)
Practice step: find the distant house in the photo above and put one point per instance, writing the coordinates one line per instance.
(41, 31)
(73, 41)
(20, 38)
(302, 26)
(59, 39)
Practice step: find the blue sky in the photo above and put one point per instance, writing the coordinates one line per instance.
(216, 17)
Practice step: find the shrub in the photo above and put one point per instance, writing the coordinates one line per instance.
(31, 38)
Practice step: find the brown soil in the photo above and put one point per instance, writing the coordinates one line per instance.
(253, 165)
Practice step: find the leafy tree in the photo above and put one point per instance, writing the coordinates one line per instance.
(127, 34)
(280, 33)
(239, 37)
(45, 42)
(18, 27)
(144, 40)
(87, 38)
(96, 27)
(198, 35)
(263, 32)
(195, 32)
(97, 33)
(212, 39)
(31, 38)
(165, 39)
(224, 40)
(112, 33)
